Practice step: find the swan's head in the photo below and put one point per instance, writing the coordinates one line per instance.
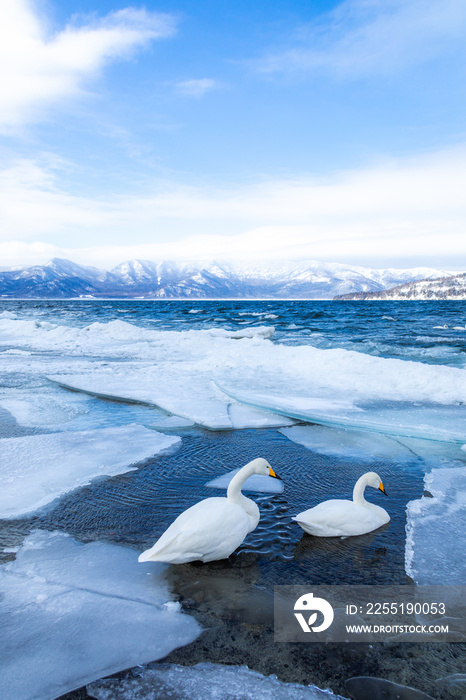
(374, 480)
(261, 466)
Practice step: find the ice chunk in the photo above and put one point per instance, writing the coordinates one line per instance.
(177, 390)
(176, 370)
(40, 410)
(37, 469)
(256, 482)
(435, 529)
(14, 351)
(71, 613)
(65, 410)
(117, 338)
(367, 446)
(427, 422)
(252, 332)
(347, 444)
(173, 423)
(205, 680)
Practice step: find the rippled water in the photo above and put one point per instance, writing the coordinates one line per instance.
(135, 508)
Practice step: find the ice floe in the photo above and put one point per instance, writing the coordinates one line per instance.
(40, 410)
(258, 314)
(39, 468)
(367, 446)
(63, 410)
(116, 338)
(72, 613)
(256, 482)
(13, 351)
(347, 443)
(180, 371)
(205, 680)
(409, 420)
(176, 390)
(435, 529)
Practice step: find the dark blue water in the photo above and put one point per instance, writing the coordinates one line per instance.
(416, 330)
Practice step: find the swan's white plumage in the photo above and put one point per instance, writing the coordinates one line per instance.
(213, 528)
(340, 518)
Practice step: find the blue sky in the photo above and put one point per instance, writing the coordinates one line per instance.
(268, 130)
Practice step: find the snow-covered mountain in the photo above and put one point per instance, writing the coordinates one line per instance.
(452, 287)
(210, 280)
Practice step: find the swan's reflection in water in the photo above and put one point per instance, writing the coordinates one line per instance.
(364, 554)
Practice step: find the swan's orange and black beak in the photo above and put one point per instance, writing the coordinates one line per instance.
(381, 488)
(272, 473)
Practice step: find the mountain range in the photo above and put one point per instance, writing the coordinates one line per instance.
(212, 280)
(452, 287)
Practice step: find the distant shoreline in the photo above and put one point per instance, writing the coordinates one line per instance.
(201, 299)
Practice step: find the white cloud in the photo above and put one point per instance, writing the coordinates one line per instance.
(196, 88)
(38, 70)
(372, 37)
(394, 209)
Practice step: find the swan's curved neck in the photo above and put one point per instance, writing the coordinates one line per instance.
(236, 484)
(358, 497)
(234, 494)
(358, 491)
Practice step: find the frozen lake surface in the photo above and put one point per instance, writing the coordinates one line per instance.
(117, 415)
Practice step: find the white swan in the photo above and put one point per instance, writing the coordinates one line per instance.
(337, 517)
(213, 528)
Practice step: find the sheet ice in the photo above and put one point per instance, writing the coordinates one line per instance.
(435, 530)
(205, 680)
(51, 407)
(181, 372)
(401, 419)
(367, 446)
(176, 389)
(72, 613)
(256, 482)
(37, 469)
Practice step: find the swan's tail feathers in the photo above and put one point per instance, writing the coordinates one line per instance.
(315, 528)
(157, 553)
(148, 555)
(170, 554)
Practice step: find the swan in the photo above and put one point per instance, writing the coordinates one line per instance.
(213, 528)
(337, 517)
